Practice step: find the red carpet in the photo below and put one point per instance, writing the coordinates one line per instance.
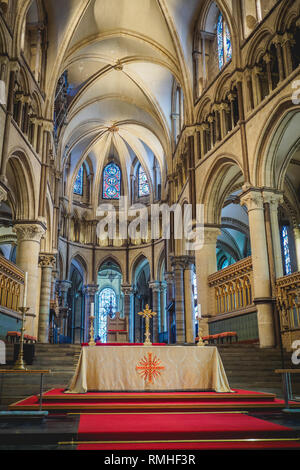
(181, 431)
(114, 402)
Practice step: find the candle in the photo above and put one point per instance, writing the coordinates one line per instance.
(92, 309)
(25, 290)
(199, 310)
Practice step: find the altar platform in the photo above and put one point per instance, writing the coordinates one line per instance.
(149, 368)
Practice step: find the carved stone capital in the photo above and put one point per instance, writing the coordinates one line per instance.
(47, 260)
(127, 289)
(273, 199)
(211, 234)
(253, 200)
(155, 286)
(90, 289)
(30, 231)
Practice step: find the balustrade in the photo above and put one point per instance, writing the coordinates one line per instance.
(231, 288)
(11, 282)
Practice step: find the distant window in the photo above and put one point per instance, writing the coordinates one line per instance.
(223, 41)
(107, 304)
(144, 189)
(286, 250)
(78, 185)
(111, 181)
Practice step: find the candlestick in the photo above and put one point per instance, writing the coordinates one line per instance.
(19, 364)
(92, 309)
(25, 290)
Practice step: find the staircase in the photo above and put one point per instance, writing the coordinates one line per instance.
(247, 367)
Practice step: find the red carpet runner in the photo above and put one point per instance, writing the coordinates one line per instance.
(181, 431)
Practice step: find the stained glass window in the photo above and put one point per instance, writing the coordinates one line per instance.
(144, 189)
(111, 181)
(78, 185)
(220, 38)
(107, 303)
(286, 250)
(223, 42)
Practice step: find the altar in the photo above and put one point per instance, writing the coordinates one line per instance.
(149, 368)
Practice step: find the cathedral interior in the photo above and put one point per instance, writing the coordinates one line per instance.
(174, 103)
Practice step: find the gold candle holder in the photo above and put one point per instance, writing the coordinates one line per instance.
(92, 339)
(19, 364)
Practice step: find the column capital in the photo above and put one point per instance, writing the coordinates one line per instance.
(252, 199)
(90, 289)
(64, 285)
(47, 260)
(178, 262)
(127, 289)
(29, 231)
(155, 286)
(163, 286)
(273, 199)
(211, 234)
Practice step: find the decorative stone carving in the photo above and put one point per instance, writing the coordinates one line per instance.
(47, 260)
(253, 200)
(29, 231)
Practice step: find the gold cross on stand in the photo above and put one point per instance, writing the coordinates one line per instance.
(147, 314)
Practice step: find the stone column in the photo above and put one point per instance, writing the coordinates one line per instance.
(261, 276)
(29, 236)
(296, 231)
(47, 262)
(14, 68)
(156, 320)
(64, 287)
(189, 302)
(127, 290)
(206, 264)
(89, 291)
(163, 306)
(274, 199)
(178, 264)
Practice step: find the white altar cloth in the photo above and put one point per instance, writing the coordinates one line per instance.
(148, 368)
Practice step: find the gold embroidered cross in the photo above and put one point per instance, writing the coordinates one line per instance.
(147, 314)
(149, 367)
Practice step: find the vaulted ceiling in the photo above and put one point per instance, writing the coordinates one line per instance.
(122, 58)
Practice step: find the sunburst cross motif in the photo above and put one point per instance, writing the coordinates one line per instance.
(149, 367)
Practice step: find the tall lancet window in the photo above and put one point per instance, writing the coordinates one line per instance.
(144, 189)
(111, 181)
(107, 305)
(286, 250)
(223, 41)
(78, 185)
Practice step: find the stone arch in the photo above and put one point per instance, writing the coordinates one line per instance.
(109, 259)
(21, 184)
(139, 261)
(225, 173)
(278, 143)
(81, 265)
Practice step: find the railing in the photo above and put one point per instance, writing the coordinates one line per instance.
(288, 301)
(11, 282)
(231, 288)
